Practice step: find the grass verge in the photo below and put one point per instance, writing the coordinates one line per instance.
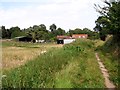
(111, 61)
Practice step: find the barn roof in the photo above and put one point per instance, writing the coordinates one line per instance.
(79, 35)
(20, 37)
(63, 37)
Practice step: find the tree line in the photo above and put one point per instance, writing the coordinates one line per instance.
(40, 32)
(107, 23)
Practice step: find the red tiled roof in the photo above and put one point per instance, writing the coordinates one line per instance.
(73, 36)
(63, 37)
(79, 36)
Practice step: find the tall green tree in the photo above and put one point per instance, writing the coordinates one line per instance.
(60, 31)
(43, 27)
(109, 21)
(53, 27)
(31, 33)
(37, 32)
(3, 32)
(15, 32)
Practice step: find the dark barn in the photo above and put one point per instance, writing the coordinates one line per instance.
(23, 38)
(60, 41)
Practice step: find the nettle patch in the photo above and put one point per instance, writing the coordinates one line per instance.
(73, 48)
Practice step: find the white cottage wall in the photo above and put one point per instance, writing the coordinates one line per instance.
(66, 41)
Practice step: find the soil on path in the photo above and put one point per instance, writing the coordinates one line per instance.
(104, 71)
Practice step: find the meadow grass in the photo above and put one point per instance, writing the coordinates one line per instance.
(26, 44)
(73, 66)
(12, 56)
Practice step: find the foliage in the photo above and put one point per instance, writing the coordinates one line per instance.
(56, 31)
(60, 31)
(12, 32)
(40, 32)
(109, 21)
(37, 32)
(53, 27)
(3, 32)
(17, 33)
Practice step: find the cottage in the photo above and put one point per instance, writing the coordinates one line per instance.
(64, 39)
(68, 39)
(75, 36)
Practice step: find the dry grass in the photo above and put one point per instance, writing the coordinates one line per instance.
(99, 43)
(16, 56)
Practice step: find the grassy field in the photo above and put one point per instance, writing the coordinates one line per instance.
(72, 66)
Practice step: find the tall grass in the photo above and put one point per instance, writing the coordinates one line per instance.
(72, 66)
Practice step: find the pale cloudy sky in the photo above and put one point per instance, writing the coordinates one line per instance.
(67, 14)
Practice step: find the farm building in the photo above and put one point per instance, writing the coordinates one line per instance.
(68, 39)
(23, 38)
(75, 36)
(64, 39)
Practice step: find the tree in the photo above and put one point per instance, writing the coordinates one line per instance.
(31, 32)
(3, 32)
(59, 31)
(12, 30)
(15, 32)
(37, 32)
(109, 21)
(53, 27)
(43, 27)
(101, 23)
(76, 31)
(53, 32)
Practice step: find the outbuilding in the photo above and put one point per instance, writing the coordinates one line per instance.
(64, 39)
(61, 39)
(23, 38)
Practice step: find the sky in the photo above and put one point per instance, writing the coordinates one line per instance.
(66, 14)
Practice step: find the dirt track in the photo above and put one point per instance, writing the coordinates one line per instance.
(105, 73)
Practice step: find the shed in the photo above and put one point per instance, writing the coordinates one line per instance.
(64, 39)
(23, 38)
